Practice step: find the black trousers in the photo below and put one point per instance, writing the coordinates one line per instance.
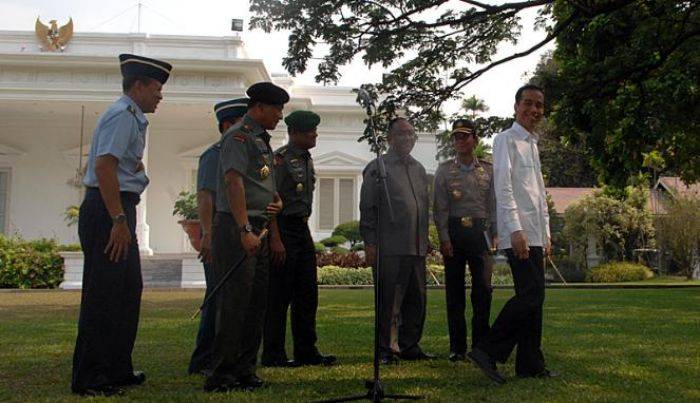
(201, 356)
(293, 284)
(520, 320)
(240, 301)
(468, 246)
(110, 299)
(402, 296)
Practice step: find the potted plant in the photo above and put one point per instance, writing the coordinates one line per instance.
(186, 207)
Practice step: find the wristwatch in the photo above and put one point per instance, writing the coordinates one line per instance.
(119, 218)
(247, 228)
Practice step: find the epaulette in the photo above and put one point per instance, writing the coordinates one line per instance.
(240, 137)
(282, 150)
(131, 109)
(245, 128)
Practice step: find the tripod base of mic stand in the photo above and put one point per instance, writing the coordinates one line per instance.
(375, 393)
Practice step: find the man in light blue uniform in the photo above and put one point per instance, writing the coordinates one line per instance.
(115, 177)
(228, 113)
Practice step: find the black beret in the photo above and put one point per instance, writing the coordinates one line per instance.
(231, 109)
(133, 65)
(267, 93)
(463, 126)
(303, 121)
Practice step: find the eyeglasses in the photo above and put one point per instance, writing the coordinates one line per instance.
(462, 135)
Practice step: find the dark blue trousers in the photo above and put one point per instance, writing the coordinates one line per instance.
(110, 300)
(201, 356)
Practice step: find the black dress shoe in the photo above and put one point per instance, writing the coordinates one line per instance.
(545, 373)
(104, 391)
(486, 364)
(318, 359)
(417, 356)
(250, 381)
(137, 378)
(277, 362)
(454, 357)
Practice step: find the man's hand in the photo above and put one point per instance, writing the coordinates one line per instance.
(494, 242)
(446, 248)
(518, 240)
(370, 255)
(205, 255)
(119, 241)
(140, 167)
(275, 207)
(251, 243)
(278, 251)
(548, 248)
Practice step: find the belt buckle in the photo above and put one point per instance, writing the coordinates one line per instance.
(466, 222)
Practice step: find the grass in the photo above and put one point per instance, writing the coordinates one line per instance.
(610, 345)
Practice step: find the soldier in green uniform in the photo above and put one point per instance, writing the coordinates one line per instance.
(293, 274)
(246, 203)
(464, 210)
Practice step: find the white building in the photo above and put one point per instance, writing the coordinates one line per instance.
(50, 102)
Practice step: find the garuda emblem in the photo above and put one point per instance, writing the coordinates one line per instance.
(52, 37)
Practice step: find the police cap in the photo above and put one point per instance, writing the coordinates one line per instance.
(134, 65)
(267, 93)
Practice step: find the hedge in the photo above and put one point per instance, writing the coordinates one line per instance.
(29, 264)
(335, 275)
(617, 272)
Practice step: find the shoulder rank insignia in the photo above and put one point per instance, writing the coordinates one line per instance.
(240, 137)
(131, 109)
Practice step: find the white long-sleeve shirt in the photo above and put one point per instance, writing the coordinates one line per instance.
(521, 201)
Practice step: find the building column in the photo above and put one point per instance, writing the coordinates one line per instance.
(142, 229)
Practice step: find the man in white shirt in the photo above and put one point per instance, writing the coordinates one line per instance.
(523, 223)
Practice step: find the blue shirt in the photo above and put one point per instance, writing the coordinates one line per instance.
(121, 133)
(207, 172)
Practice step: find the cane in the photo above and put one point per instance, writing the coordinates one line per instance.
(235, 266)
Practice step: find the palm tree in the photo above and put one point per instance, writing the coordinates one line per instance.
(474, 106)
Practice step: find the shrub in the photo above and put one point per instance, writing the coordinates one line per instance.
(334, 275)
(186, 205)
(334, 240)
(340, 250)
(33, 264)
(320, 248)
(350, 230)
(616, 272)
(358, 247)
(350, 259)
(679, 232)
(73, 247)
(571, 268)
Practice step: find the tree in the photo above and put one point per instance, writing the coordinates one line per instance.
(679, 232)
(473, 106)
(619, 54)
(350, 230)
(631, 88)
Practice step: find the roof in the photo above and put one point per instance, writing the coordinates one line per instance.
(674, 185)
(564, 197)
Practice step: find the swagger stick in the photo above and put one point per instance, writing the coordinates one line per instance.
(234, 267)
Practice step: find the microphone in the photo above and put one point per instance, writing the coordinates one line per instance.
(365, 99)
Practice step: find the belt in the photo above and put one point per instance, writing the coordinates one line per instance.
(93, 193)
(467, 221)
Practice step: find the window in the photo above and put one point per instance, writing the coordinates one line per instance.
(4, 190)
(336, 202)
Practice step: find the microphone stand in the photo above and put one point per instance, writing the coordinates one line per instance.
(375, 390)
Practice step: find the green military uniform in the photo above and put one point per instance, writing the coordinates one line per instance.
(245, 149)
(464, 207)
(295, 282)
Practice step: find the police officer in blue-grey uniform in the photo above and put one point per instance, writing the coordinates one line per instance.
(246, 203)
(465, 214)
(227, 113)
(293, 276)
(115, 177)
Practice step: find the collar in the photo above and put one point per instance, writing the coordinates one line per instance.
(293, 149)
(393, 156)
(252, 126)
(138, 112)
(523, 134)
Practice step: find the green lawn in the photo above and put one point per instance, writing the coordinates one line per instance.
(610, 345)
